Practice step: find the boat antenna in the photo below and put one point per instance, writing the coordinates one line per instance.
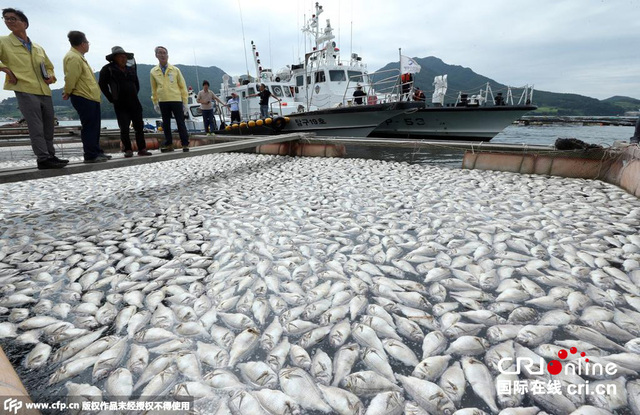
(270, 59)
(244, 42)
(400, 76)
(339, 23)
(351, 41)
(351, 34)
(196, 63)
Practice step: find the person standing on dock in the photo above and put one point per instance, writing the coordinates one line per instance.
(81, 87)
(169, 96)
(234, 106)
(29, 72)
(264, 95)
(636, 135)
(120, 85)
(205, 99)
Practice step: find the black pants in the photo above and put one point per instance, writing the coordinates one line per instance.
(175, 108)
(89, 113)
(235, 116)
(130, 113)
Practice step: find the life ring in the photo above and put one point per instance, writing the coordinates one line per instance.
(278, 124)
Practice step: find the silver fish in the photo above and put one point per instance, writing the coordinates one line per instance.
(428, 395)
(296, 383)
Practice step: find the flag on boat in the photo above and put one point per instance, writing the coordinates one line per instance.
(408, 65)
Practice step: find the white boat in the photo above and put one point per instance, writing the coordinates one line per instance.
(353, 121)
(478, 118)
(325, 81)
(292, 114)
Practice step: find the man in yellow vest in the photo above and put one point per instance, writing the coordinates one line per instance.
(28, 73)
(81, 86)
(169, 96)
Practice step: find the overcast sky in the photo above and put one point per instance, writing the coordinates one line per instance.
(588, 47)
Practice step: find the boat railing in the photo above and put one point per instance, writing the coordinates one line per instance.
(382, 90)
(484, 96)
(279, 104)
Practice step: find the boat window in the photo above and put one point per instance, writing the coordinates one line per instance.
(287, 91)
(337, 76)
(299, 80)
(251, 90)
(320, 77)
(355, 76)
(277, 90)
(196, 111)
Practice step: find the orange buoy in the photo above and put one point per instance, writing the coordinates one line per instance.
(252, 123)
(227, 128)
(259, 123)
(287, 119)
(268, 121)
(234, 126)
(243, 125)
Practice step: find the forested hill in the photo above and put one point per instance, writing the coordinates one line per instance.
(466, 80)
(459, 79)
(213, 74)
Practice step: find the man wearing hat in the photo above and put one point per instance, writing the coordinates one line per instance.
(119, 84)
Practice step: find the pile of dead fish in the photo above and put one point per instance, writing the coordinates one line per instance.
(274, 285)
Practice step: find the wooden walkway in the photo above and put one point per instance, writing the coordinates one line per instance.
(239, 143)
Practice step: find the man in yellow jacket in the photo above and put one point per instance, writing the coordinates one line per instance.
(81, 86)
(169, 96)
(28, 73)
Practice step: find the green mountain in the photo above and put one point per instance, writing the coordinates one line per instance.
(549, 103)
(628, 103)
(193, 76)
(459, 79)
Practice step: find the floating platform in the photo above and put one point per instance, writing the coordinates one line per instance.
(17, 175)
(617, 165)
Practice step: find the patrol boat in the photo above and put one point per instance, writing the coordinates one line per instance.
(325, 81)
(293, 113)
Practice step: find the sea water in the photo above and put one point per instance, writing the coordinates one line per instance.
(545, 135)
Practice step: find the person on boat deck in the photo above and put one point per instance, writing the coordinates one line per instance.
(205, 99)
(418, 95)
(358, 94)
(81, 87)
(120, 85)
(29, 72)
(264, 95)
(169, 96)
(234, 106)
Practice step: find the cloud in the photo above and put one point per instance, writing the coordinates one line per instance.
(585, 47)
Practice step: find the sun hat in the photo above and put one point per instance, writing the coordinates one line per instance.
(116, 50)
